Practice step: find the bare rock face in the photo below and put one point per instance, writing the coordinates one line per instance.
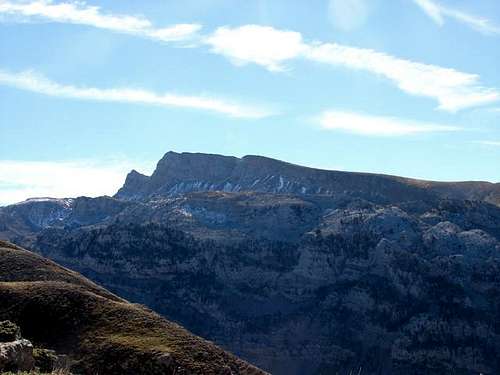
(367, 286)
(180, 173)
(134, 186)
(16, 356)
(34, 215)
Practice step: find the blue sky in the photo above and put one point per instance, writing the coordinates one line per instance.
(89, 90)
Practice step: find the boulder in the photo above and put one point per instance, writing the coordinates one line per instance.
(16, 356)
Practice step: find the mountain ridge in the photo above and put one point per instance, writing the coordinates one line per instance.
(380, 274)
(179, 173)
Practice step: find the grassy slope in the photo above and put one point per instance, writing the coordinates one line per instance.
(59, 309)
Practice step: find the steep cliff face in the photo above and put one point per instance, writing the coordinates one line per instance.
(134, 187)
(188, 172)
(182, 173)
(29, 217)
(391, 290)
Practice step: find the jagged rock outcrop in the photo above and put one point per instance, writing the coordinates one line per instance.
(134, 187)
(16, 353)
(16, 356)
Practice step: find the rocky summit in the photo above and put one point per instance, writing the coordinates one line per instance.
(180, 173)
(297, 270)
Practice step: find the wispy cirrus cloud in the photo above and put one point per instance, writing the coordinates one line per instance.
(489, 143)
(273, 49)
(379, 126)
(34, 82)
(439, 13)
(23, 179)
(454, 90)
(83, 14)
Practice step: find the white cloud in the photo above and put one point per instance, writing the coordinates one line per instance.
(454, 90)
(83, 14)
(347, 15)
(439, 12)
(356, 123)
(37, 83)
(20, 180)
(433, 10)
(272, 48)
(489, 143)
(262, 45)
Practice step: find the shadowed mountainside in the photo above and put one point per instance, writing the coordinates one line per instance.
(298, 270)
(61, 310)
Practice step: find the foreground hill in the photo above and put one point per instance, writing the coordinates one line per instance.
(61, 310)
(297, 270)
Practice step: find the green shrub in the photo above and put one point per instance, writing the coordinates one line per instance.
(45, 360)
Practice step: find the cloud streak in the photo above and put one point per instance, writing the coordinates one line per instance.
(33, 82)
(489, 143)
(454, 90)
(83, 14)
(273, 49)
(439, 13)
(20, 180)
(379, 126)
